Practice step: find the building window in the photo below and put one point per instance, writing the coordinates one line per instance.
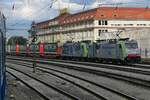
(115, 15)
(141, 24)
(99, 22)
(128, 24)
(115, 24)
(102, 31)
(102, 15)
(99, 32)
(103, 22)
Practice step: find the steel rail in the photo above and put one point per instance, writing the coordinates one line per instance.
(43, 96)
(41, 68)
(138, 81)
(84, 88)
(109, 89)
(46, 84)
(132, 68)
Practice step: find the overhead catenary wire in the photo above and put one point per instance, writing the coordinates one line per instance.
(37, 11)
(18, 29)
(120, 3)
(147, 4)
(84, 5)
(53, 1)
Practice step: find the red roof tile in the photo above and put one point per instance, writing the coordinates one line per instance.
(109, 13)
(123, 13)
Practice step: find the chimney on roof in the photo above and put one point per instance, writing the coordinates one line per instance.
(63, 11)
(147, 7)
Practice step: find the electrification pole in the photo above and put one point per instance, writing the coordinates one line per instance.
(34, 39)
(34, 58)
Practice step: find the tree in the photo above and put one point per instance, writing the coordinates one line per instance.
(17, 40)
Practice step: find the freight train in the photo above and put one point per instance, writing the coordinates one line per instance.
(52, 50)
(116, 51)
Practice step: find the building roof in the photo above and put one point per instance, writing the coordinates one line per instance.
(81, 16)
(109, 13)
(124, 13)
(46, 23)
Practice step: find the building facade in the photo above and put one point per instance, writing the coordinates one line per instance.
(94, 24)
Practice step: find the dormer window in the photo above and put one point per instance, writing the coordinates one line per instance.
(102, 15)
(115, 15)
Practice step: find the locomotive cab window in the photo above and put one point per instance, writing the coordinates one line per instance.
(82, 46)
(120, 46)
(97, 46)
(131, 45)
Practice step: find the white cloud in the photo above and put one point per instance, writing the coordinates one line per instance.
(36, 6)
(41, 9)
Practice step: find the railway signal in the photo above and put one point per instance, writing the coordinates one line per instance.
(34, 39)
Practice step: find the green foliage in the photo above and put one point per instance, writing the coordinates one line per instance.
(17, 40)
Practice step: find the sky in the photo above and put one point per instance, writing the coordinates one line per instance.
(21, 13)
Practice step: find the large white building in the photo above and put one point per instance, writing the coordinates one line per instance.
(95, 24)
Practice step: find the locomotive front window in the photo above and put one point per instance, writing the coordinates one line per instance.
(131, 45)
(53, 46)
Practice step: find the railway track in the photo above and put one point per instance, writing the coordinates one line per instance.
(17, 90)
(145, 69)
(95, 64)
(26, 83)
(113, 72)
(136, 81)
(42, 88)
(77, 98)
(131, 68)
(136, 68)
(115, 95)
